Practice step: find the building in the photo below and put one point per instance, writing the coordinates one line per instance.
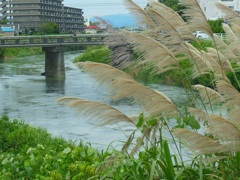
(212, 12)
(28, 15)
(92, 29)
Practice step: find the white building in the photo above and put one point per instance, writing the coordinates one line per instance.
(212, 12)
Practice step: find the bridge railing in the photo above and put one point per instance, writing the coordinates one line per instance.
(54, 40)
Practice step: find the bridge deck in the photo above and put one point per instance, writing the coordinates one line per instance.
(51, 41)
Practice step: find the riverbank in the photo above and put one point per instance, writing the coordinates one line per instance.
(33, 153)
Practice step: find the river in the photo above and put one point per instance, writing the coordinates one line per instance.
(28, 96)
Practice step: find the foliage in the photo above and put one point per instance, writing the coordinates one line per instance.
(21, 52)
(2, 52)
(4, 21)
(216, 25)
(32, 153)
(173, 4)
(49, 28)
(95, 54)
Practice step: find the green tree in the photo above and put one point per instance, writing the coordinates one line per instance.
(5, 21)
(174, 4)
(49, 28)
(216, 25)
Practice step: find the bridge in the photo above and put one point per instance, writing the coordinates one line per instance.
(54, 47)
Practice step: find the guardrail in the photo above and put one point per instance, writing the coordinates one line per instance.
(223, 36)
(51, 41)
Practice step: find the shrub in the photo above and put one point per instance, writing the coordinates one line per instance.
(32, 153)
(95, 54)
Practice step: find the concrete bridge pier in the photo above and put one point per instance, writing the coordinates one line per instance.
(54, 62)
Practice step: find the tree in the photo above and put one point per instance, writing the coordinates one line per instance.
(49, 28)
(173, 4)
(5, 21)
(216, 25)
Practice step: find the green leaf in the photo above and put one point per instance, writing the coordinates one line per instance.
(90, 151)
(27, 163)
(152, 122)
(152, 170)
(67, 150)
(168, 157)
(193, 123)
(140, 121)
(5, 161)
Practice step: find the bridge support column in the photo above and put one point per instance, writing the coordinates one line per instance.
(54, 61)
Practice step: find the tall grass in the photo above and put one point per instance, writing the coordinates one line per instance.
(209, 127)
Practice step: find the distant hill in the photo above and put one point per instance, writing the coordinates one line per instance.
(119, 20)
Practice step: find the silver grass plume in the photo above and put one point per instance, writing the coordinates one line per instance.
(223, 47)
(232, 39)
(153, 52)
(200, 65)
(208, 95)
(195, 16)
(217, 66)
(214, 125)
(198, 143)
(153, 103)
(236, 30)
(232, 98)
(171, 28)
(100, 112)
(231, 16)
(103, 73)
(220, 59)
(122, 85)
(139, 13)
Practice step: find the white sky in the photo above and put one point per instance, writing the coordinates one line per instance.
(93, 8)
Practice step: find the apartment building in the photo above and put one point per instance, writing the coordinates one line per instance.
(212, 12)
(30, 14)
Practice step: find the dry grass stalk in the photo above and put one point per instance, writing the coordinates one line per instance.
(223, 47)
(208, 95)
(121, 85)
(139, 13)
(231, 16)
(154, 52)
(200, 144)
(195, 16)
(171, 28)
(200, 65)
(96, 111)
(232, 98)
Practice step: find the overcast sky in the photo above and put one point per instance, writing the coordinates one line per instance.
(93, 8)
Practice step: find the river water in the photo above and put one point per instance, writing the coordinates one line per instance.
(28, 96)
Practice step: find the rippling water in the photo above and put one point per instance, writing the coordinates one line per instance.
(26, 95)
